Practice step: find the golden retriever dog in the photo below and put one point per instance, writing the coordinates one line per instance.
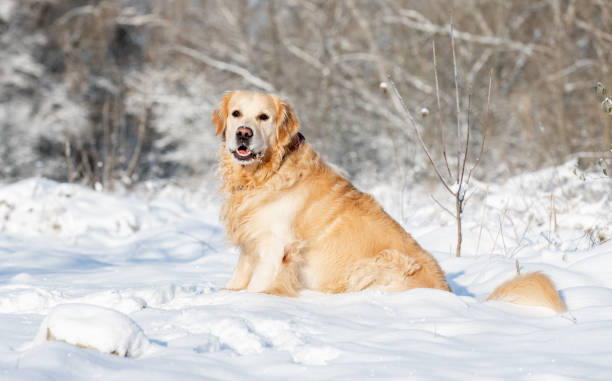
(300, 225)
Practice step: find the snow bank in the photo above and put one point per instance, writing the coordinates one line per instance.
(93, 327)
(40, 207)
(73, 265)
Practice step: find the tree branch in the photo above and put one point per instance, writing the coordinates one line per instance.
(443, 137)
(484, 128)
(224, 66)
(418, 133)
(427, 26)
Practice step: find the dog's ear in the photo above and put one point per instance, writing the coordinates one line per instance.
(219, 116)
(287, 123)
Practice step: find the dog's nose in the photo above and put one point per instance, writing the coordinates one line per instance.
(244, 132)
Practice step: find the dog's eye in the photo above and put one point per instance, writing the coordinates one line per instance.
(263, 117)
(236, 114)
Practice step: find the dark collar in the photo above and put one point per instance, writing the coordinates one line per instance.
(298, 139)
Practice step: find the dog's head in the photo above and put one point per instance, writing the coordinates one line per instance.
(254, 125)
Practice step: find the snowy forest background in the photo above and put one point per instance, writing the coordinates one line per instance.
(131, 259)
(113, 93)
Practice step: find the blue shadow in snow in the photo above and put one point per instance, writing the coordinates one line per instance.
(457, 289)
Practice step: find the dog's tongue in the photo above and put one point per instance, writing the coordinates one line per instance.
(243, 151)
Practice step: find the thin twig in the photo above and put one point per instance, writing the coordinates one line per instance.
(442, 206)
(467, 141)
(456, 98)
(87, 168)
(142, 129)
(501, 230)
(494, 242)
(69, 166)
(484, 129)
(418, 133)
(482, 220)
(224, 66)
(500, 42)
(442, 133)
(458, 194)
(115, 142)
(554, 211)
(107, 143)
(518, 267)
(518, 247)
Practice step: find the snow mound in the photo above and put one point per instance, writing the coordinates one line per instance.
(161, 258)
(94, 327)
(41, 207)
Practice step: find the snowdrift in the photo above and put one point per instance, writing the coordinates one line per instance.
(142, 276)
(93, 327)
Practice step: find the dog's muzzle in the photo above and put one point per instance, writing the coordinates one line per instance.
(243, 141)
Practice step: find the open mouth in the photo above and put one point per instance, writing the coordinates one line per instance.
(243, 153)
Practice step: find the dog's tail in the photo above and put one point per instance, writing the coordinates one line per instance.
(533, 289)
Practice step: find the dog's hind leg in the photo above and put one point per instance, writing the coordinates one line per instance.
(389, 270)
(392, 270)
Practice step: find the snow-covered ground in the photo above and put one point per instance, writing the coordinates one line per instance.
(142, 276)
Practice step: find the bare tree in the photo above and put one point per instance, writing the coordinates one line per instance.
(327, 57)
(459, 188)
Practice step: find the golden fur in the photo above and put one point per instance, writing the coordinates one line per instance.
(300, 225)
(533, 289)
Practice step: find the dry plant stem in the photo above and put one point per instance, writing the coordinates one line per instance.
(484, 129)
(459, 196)
(554, 211)
(442, 133)
(456, 101)
(427, 26)
(458, 202)
(107, 144)
(224, 66)
(402, 172)
(142, 129)
(419, 137)
(459, 212)
(501, 230)
(69, 166)
(522, 237)
(550, 219)
(467, 143)
(92, 153)
(481, 220)
(442, 206)
(494, 241)
(461, 164)
(115, 142)
(518, 267)
(89, 171)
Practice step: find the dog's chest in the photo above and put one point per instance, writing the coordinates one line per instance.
(270, 217)
(278, 216)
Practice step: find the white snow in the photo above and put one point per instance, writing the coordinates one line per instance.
(94, 327)
(143, 275)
